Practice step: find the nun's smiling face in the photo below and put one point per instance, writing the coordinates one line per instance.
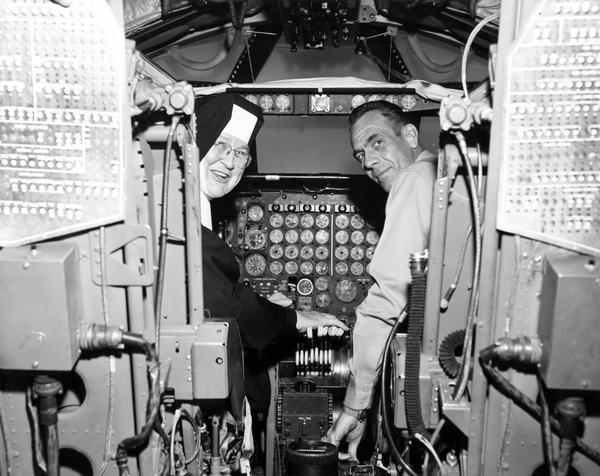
(222, 167)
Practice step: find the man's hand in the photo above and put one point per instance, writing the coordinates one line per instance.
(348, 428)
(313, 320)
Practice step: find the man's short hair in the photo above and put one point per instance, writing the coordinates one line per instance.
(390, 111)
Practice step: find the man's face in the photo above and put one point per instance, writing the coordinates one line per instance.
(222, 167)
(381, 152)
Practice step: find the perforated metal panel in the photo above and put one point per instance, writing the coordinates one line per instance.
(62, 91)
(550, 174)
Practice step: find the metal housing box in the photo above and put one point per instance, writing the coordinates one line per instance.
(569, 322)
(40, 307)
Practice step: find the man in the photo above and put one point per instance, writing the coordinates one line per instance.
(387, 146)
(226, 125)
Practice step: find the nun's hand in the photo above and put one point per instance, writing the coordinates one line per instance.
(325, 323)
(280, 299)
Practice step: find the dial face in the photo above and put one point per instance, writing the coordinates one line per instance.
(276, 267)
(305, 287)
(357, 101)
(306, 252)
(374, 97)
(393, 99)
(276, 251)
(266, 102)
(291, 252)
(276, 236)
(357, 237)
(256, 212)
(291, 220)
(283, 102)
(408, 102)
(276, 220)
(255, 239)
(255, 264)
(346, 290)
(341, 268)
(357, 222)
(322, 220)
(291, 267)
(252, 98)
(306, 267)
(357, 253)
(342, 237)
(322, 268)
(322, 252)
(322, 300)
(357, 269)
(321, 102)
(369, 252)
(372, 237)
(291, 236)
(307, 220)
(322, 283)
(342, 221)
(341, 252)
(322, 237)
(306, 236)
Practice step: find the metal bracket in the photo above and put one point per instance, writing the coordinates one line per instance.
(119, 273)
(459, 412)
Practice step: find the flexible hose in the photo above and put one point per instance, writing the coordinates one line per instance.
(546, 430)
(414, 337)
(565, 456)
(237, 19)
(52, 451)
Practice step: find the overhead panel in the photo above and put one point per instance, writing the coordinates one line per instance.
(550, 172)
(62, 108)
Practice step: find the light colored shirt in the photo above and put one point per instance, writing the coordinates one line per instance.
(406, 231)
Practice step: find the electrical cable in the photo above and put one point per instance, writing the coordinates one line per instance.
(546, 431)
(52, 450)
(463, 66)
(469, 328)
(176, 417)
(197, 442)
(164, 233)
(384, 397)
(445, 302)
(418, 52)
(434, 437)
(431, 450)
(37, 441)
(5, 464)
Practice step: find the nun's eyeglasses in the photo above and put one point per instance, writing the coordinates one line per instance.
(240, 156)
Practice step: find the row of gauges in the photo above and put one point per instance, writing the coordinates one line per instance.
(325, 103)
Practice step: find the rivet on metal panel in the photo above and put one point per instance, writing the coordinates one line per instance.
(219, 360)
(26, 265)
(35, 364)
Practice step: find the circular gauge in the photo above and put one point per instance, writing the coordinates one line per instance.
(255, 239)
(322, 237)
(322, 300)
(252, 98)
(322, 220)
(291, 252)
(322, 268)
(307, 220)
(266, 102)
(321, 103)
(322, 252)
(372, 237)
(342, 221)
(370, 251)
(255, 264)
(291, 236)
(283, 102)
(346, 290)
(357, 237)
(291, 220)
(341, 268)
(341, 252)
(374, 97)
(256, 212)
(357, 253)
(357, 101)
(276, 236)
(306, 236)
(393, 99)
(306, 267)
(291, 267)
(304, 287)
(276, 251)
(408, 102)
(357, 269)
(342, 237)
(276, 267)
(322, 283)
(276, 220)
(306, 252)
(357, 222)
